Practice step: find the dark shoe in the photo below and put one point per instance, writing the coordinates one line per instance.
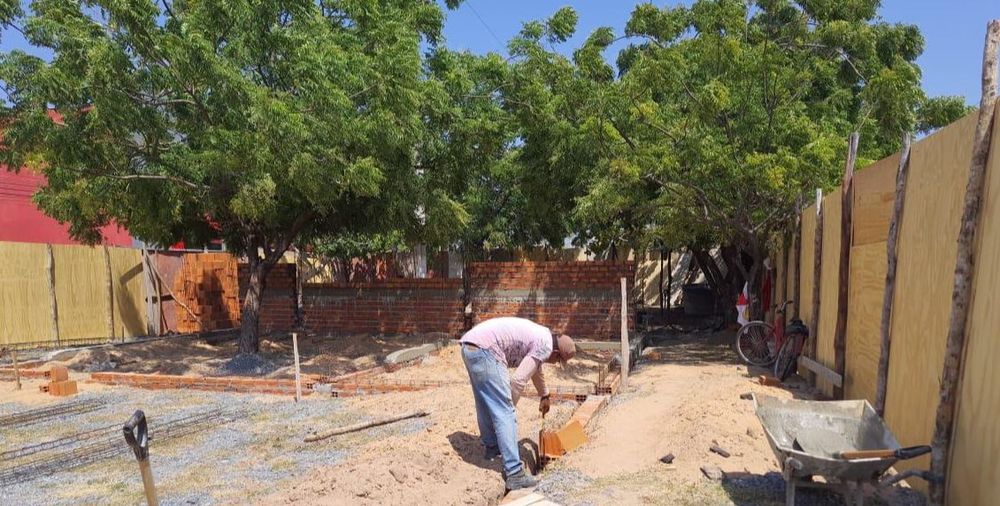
(520, 480)
(491, 453)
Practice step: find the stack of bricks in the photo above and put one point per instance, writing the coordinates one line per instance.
(59, 383)
(207, 283)
(576, 298)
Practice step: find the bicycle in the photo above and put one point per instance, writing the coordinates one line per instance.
(762, 344)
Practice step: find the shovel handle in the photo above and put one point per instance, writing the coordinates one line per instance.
(137, 435)
(901, 454)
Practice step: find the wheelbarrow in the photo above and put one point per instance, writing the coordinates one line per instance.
(844, 442)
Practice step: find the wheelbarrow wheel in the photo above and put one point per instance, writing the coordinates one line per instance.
(755, 343)
(784, 364)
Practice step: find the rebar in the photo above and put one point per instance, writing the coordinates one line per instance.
(88, 448)
(37, 415)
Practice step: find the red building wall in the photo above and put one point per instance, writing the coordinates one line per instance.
(22, 221)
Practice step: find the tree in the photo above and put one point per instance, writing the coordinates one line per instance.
(263, 122)
(718, 117)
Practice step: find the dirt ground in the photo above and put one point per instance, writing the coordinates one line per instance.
(682, 402)
(328, 355)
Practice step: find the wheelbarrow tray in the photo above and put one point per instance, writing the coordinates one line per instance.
(854, 423)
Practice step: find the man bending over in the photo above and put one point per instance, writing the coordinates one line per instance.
(489, 349)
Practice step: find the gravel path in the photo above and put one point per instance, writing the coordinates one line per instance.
(224, 464)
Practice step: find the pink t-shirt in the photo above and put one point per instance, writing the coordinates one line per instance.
(510, 339)
(515, 342)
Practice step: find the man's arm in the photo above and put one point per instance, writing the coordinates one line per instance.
(530, 367)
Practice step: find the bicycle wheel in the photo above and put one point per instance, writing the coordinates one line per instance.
(755, 343)
(785, 363)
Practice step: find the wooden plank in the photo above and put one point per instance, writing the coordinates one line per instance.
(874, 191)
(523, 500)
(844, 267)
(129, 292)
(975, 465)
(965, 263)
(862, 347)
(807, 265)
(81, 291)
(110, 286)
(829, 273)
(826, 374)
(925, 272)
(25, 308)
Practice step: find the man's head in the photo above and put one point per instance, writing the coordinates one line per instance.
(563, 348)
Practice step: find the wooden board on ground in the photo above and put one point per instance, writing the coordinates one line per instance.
(525, 498)
(829, 284)
(829, 376)
(939, 166)
(974, 464)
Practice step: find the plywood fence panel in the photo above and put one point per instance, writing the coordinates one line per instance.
(975, 463)
(829, 283)
(130, 296)
(25, 307)
(647, 278)
(935, 188)
(874, 191)
(806, 263)
(864, 316)
(81, 292)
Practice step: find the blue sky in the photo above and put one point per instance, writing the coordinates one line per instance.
(953, 31)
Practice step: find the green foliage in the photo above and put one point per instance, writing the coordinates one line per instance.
(259, 121)
(721, 115)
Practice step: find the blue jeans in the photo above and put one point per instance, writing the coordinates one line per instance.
(494, 408)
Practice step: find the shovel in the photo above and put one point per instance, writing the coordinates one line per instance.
(137, 437)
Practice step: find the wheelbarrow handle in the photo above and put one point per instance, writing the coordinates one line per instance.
(912, 452)
(137, 435)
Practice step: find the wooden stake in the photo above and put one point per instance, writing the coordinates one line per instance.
(964, 267)
(111, 294)
(817, 275)
(882, 378)
(361, 426)
(625, 350)
(50, 271)
(17, 370)
(844, 274)
(298, 375)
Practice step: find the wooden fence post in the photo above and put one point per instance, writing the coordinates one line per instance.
(882, 379)
(844, 274)
(817, 276)
(964, 267)
(625, 348)
(111, 294)
(50, 272)
(797, 261)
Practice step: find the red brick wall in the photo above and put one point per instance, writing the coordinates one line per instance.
(389, 306)
(582, 299)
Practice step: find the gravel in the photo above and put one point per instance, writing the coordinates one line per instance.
(233, 462)
(248, 364)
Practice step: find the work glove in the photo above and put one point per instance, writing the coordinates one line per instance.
(544, 405)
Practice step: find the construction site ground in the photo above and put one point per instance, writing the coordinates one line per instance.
(683, 398)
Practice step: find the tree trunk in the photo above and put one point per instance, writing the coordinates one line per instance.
(250, 319)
